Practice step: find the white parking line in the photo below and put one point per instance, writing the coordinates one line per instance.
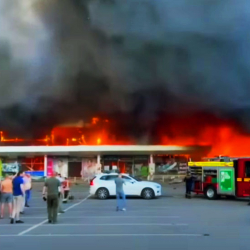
(19, 225)
(105, 208)
(123, 224)
(41, 223)
(37, 208)
(115, 216)
(141, 211)
(106, 235)
(102, 224)
(138, 206)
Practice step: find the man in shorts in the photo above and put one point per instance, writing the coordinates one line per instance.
(6, 195)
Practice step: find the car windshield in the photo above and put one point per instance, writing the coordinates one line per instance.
(137, 178)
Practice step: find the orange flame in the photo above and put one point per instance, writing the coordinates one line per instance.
(225, 138)
(95, 120)
(99, 141)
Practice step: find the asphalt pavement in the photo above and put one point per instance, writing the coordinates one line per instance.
(169, 222)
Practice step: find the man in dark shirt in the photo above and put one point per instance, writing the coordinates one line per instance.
(119, 182)
(51, 187)
(189, 179)
(18, 195)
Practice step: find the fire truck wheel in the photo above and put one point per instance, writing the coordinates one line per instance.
(211, 193)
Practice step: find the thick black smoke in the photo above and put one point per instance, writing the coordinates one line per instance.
(134, 60)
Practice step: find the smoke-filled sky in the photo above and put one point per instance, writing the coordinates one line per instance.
(66, 60)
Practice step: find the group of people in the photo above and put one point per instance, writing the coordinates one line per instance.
(55, 188)
(15, 192)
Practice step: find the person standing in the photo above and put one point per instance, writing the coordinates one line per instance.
(189, 179)
(6, 195)
(18, 194)
(119, 182)
(28, 186)
(25, 184)
(50, 193)
(66, 190)
(60, 194)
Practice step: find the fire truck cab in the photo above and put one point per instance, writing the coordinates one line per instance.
(222, 176)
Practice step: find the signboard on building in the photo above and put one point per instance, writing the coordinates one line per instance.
(12, 167)
(50, 167)
(36, 175)
(57, 165)
(89, 167)
(182, 167)
(170, 165)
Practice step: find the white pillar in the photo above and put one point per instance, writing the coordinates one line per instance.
(151, 168)
(98, 159)
(98, 165)
(45, 165)
(151, 159)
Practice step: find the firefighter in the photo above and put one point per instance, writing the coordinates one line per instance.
(189, 179)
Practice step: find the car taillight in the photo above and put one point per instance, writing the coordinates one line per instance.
(92, 182)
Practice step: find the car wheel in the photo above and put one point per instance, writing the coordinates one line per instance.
(102, 193)
(211, 193)
(148, 193)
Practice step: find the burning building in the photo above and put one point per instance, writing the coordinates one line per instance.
(86, 161)
(148, 71)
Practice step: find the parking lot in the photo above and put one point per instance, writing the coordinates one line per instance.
(169, 222)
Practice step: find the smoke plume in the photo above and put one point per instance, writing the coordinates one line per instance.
(135, 60)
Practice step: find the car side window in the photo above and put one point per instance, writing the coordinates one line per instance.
(103, 178)
(126, 178)
(111, 177)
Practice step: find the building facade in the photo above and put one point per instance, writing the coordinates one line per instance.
(86, 161)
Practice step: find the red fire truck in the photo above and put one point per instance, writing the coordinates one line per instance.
(221, 176)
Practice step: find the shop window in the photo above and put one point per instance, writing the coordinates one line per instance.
(32, 164)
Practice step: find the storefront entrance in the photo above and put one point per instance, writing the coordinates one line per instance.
(75, 169)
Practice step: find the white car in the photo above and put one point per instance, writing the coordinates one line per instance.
(103, 186)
